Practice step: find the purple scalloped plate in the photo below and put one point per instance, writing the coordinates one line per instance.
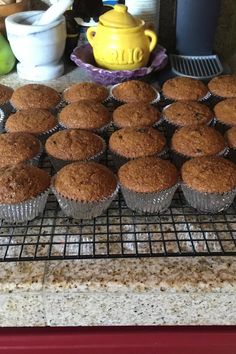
(83, 58)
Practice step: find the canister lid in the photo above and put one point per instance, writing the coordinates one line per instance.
(119, 17)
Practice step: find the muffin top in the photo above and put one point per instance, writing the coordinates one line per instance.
(225, 111)
(5, 93)
(184, 88)
(135, 115)
(74, 145)
(211, 174)
(17, 147)
(22, 182)
(197, 141)
(188, 113)
(134, 91)
(34, 121)
(137, 142)
(35, 96)
(223, 86)
(148, 174)
(86, 91)
(84, 115)
(86, 182)
(230, 137)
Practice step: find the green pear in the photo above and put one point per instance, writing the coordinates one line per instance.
(7, 59)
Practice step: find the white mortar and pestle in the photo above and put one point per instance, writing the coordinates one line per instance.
(37, 39)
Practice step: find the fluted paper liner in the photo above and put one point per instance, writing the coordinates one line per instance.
(208, 202)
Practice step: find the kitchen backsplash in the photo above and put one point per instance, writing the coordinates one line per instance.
(225, 42)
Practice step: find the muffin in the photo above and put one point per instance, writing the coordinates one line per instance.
(35, 96)
(89, 115)
(5, 94)
(39, 122)
(197, 141)
(230, 137)
(225, 114)
(134, 91)
(23, 192)
(148, 184)
(68, 146)
(84, 190)
(16, 148)
(131, 143)
(223, 86)
(184, 89)
(209, 183)
(136, 115)
(86, 91)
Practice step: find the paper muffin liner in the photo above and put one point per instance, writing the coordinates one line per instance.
(156, 99)
(59, 163)
(2, 120)
(84, 210)
(44, 136)
(179, 159)
(232, 155)
(222, 127)
(208, 202)
(24, 211)
(103, 102)
(155, 202)
(7, 108)
(120, 160)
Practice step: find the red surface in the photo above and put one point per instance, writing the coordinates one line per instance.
(116, 340)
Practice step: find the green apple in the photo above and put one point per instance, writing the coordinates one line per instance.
(7, 59)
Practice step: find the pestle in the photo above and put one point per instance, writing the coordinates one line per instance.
(53, 12)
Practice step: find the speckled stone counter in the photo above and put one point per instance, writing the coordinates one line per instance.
(172, 291)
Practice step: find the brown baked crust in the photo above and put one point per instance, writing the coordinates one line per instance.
(225, 111)
(190, 113)
(148, 174)
(74, 145)
(134, 91)
(85, 182)
(137, 142)
(22, 182)
(223, 86)
(198, 141)
(230, 137)
(86, 91)
(136, 115)
(211, 174)
(5, 93)
(85, 115)
(17, 147)
(35, 96)
(184, 88)
(34, 121)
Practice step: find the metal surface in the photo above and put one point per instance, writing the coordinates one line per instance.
(198, 67)
(120, 233)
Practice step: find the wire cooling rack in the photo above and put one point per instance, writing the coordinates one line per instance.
(120, 233)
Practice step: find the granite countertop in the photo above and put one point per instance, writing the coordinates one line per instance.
(154, 291)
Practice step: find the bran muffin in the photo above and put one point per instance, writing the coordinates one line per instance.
(35, 96)
(84, 190)
(71, 145)
(209, 183)
(225, 112)
(230, 137)
(223, 86)
(196, 141)
(16, 148)
(181, 114)
(130, 143)
(5, 94)
(86, 91)
(88, 115)
(134, 91)
(184, 89)
(136, 115)
(23, 192)
(148, 184)
(33, 121)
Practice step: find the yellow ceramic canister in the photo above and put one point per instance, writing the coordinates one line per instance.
(120, 41)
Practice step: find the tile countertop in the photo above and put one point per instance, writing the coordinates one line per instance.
(172, 291)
